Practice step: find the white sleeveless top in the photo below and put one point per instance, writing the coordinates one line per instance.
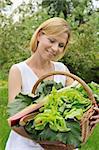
(29, 78)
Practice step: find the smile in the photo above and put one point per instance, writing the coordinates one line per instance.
(51, 53)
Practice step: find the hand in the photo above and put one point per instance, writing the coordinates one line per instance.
(95, 118)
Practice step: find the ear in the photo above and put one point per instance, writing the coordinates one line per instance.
(39, 35)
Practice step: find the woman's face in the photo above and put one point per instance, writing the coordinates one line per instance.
(50, 47)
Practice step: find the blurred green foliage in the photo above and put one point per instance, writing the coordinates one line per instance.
(82, 56)
(79, 10)
(15, 38)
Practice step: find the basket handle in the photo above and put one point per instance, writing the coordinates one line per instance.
(86, 87)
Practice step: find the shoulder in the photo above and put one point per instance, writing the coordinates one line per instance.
(14, 74)
(15, 70)
(61, 66)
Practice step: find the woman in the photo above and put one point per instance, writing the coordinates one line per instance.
(48, 44)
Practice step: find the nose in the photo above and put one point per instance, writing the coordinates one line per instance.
(55, 46)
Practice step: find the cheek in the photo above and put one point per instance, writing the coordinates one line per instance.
(61, 50)
(44, 42)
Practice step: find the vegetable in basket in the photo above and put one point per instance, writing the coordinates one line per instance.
(59, 118)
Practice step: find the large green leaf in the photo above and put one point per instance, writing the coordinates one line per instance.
(20, 102)
(71, 137)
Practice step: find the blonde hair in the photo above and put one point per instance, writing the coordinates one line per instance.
(54, 27)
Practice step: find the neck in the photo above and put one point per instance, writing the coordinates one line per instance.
(38, 62)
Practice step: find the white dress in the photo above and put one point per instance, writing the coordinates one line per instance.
(16, 141)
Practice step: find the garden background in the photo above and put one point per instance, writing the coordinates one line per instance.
(82, 56)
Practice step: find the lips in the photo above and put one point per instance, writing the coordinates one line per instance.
(51, 53)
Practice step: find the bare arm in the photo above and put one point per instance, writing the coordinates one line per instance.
(69, 81)
(14, 83)
(14, 88)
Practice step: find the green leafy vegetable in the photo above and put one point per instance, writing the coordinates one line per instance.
(73, 136)
(59, 118)
(20, 102)
(95, 88)
(45, 87)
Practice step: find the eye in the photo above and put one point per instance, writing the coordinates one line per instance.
(51, 40)
(61, 45)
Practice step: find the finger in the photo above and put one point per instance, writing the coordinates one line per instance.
(95, 117)
(94, 122)
(97, 109)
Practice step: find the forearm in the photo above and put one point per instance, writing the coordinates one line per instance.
(21, 131)
(69, 81)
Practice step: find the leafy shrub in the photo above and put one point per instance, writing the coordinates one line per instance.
(82, 55)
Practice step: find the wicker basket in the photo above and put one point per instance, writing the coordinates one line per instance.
(86, 128)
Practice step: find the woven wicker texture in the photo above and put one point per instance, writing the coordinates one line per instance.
(86, 128)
